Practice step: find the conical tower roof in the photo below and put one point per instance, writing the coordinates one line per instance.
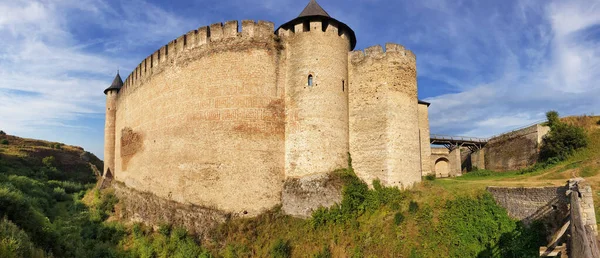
(116, 84)
(313, 11)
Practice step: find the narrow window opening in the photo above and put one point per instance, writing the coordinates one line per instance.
(185, 40)
(306, 26)
(343, 86)
(152, 61)
(310, 80)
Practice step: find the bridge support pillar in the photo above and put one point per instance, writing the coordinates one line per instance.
(478, 159)
(455, 164)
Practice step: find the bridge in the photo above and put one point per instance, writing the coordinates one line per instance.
(448, 162)
(453, 142)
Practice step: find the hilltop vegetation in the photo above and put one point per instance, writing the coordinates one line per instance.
(49, 208)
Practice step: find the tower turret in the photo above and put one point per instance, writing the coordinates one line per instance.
(316, 51)
(109, 126)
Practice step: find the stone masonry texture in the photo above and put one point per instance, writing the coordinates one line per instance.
(225, 118)
(514, 150)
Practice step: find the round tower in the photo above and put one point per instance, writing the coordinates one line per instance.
(316, 54)
(109, 126)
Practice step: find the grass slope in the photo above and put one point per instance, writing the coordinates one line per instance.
(453, 217)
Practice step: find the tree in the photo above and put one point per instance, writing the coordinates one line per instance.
(562, 140)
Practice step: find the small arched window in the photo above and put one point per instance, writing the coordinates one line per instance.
(310, 80)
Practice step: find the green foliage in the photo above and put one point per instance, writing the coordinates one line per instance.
(430, 177)
(4, 142)
(281, 249)
(478, 227)
(562, 140)
(14, 242)
(2, 132)
(164, 229)
(398, 218)
(57, 146)
(234, 251)
(49, 161)
(358, 199)
(553, 118)
(413, 207)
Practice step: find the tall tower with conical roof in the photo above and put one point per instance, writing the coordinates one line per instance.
(109, 126)
(316, 93)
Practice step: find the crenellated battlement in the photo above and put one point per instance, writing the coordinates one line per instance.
(200, 38)
(393, 51)
(314, 26)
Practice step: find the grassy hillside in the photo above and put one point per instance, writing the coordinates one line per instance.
(41, 213)
(446, 216)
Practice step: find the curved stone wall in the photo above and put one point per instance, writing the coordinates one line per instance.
(202, 120)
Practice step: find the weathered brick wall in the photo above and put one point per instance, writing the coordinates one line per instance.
(316, 130)
(548, 204)
(146, 207)
(424, 139)
(202, 120)
(384, 124)
(515, 150)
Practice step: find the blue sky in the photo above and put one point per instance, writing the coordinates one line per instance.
(486, 66)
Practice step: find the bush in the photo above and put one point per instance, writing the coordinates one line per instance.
(281, 249)
(398, 218)
(49, 161)
(413, 207)
(164, 229)
(430, 177)
(14, 242)
(358, 199)
(2, 132)
(562, 140)
(4, 142)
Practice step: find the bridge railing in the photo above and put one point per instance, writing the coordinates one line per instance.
(458, 138)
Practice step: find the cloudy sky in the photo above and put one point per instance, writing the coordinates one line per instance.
(486, 66)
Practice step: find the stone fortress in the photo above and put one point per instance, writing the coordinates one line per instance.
(227, 118)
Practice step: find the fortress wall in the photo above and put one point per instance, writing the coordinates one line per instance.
(514, 150)
(424, 136)
(317, 116)
(204, 123)
(384, 122)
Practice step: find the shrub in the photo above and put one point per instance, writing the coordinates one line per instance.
(562, 140)
(281, 249)
(14, 242)
(2, 132)
(164, 229)
(4, 142)
(430, 177)
(398, 218)
(49, 161)
(413, 207)
(358, 199)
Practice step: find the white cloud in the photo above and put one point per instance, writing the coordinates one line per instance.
(53, 69)
(540, 63)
